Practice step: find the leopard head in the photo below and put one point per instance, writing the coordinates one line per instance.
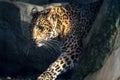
(49, 24)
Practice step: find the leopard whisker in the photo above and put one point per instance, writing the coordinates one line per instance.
(52, 46)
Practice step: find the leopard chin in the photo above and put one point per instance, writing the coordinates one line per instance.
(43, 43)
(40, 44)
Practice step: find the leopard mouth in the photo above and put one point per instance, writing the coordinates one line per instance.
(42, 42)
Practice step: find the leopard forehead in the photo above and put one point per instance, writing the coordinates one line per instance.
(50, 23)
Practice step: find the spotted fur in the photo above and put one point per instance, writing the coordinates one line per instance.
(70, 23)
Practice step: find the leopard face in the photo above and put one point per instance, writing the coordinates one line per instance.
(49, 24)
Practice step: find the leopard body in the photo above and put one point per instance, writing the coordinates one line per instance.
(70, 23)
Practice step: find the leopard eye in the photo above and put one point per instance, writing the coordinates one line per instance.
(40, 28)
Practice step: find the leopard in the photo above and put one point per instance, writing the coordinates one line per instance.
(68, 25)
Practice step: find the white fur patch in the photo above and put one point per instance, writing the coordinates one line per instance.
(40, 45)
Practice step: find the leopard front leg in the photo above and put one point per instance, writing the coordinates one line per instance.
(46, 76)
(64, 62)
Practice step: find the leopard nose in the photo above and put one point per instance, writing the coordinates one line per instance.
(34, 39)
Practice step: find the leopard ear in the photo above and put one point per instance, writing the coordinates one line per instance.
(34, 12)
